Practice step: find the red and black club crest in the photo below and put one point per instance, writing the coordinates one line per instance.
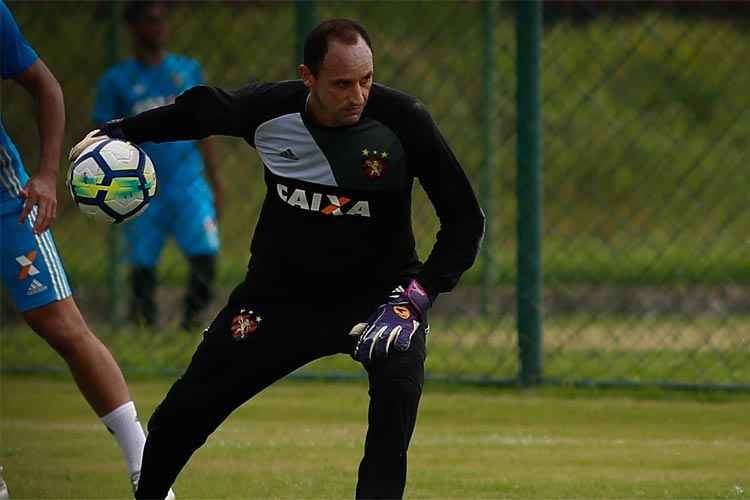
(244, 324)
(374, 163)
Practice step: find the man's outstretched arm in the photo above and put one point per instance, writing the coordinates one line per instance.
(49, 109)
(196, 114)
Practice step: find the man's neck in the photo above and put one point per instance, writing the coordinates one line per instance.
(149, 57)
(312, 112)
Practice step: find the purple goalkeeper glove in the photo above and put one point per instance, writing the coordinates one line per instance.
(392, 325)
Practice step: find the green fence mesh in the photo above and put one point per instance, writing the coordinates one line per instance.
(645, 227)
(645, 236)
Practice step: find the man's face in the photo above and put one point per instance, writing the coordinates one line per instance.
(339, 92)
(150, 30)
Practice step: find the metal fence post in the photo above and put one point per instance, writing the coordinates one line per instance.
(114, 271)
(529, 223)
(306, 19)
(488, 130)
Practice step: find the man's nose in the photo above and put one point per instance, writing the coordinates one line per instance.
(358, 94)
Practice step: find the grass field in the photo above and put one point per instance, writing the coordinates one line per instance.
(302, 440)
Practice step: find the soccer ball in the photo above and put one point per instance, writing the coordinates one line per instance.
(112, 180)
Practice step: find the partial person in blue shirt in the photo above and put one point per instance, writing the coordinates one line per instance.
(32, 271)
(186, 206)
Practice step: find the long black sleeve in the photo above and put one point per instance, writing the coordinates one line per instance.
(461, 219)
(197, 113)
(432, 162)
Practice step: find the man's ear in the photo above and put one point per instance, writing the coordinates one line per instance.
(306, 75)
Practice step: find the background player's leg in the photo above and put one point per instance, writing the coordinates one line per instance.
(395, 389)
(199, 289)
(145, 237)
(242, 352)
(143, 296)
(196, 231)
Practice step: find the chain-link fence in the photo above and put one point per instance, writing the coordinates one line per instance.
(644, 125)
(645, 137)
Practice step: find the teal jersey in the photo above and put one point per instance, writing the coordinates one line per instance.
(130, 88)
(16, 56)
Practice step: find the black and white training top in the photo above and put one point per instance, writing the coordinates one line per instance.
(337, 211)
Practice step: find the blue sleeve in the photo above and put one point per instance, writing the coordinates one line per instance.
(107, 106)
(16, 55)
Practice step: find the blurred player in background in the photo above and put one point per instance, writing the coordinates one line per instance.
(334, 267)
(185, 206)
(32, 271)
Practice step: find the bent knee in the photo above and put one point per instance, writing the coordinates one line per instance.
(60, 324)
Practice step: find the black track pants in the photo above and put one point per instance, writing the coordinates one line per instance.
(228, 369)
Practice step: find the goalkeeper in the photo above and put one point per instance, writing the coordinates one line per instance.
(333, 266)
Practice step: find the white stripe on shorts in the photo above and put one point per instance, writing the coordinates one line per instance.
(49, 254)
(66, 292)
(9, 176)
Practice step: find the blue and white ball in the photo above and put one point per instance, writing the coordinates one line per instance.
(112, 181)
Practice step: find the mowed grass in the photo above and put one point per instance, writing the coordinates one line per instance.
(304, 440)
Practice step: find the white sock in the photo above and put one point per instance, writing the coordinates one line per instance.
(123, 423)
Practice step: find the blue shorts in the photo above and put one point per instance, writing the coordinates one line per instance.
(187, 213)
(32, 270)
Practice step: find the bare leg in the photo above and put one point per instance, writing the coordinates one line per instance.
(97, 374)
(94, 369)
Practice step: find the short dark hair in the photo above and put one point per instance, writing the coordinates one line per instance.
(134, 9)
(316, 43)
